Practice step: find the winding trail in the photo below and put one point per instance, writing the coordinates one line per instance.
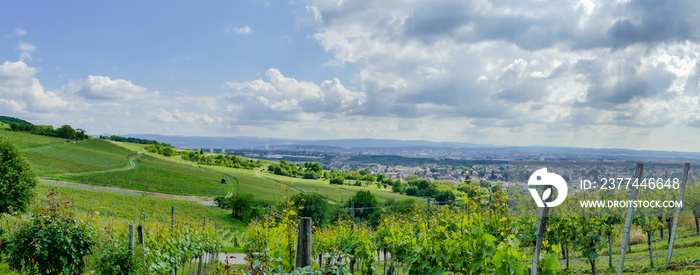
(292, 187)
(131, 165)
(196, 199)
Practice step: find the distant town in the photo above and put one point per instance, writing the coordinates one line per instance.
(511, 166)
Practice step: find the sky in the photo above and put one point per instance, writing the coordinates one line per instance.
(599, 74)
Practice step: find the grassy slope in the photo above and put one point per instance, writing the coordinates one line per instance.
(53, 156)
(155, 175)
(126, 207)
(248, 182)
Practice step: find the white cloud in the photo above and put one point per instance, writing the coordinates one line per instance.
(20, 32)
(285, 98)
(21, 92)
(105, 88)
(26, 49)
(243, 30)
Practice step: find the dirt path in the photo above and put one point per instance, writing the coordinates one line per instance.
(212, 203)
(196, 199)
(131, 164)
(292, 187)
(280, 184)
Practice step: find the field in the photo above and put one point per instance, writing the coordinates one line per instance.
(336, 193)
(52, 156)
(27, 141)
(248, 182)
(124, 208)
(156, 175)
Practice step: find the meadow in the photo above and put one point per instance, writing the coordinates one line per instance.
(111, 207)
(156, 175)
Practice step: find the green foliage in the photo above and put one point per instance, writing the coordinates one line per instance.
(135, 140)
(412, 191)
(366, 200)
(271, 242)
(66, 131)
(161, 150)
(115, 258)
(12, 120)
(337, 181)
(312, 205)
(398, 186)
(17, 180)
(244, 206)
(54, 241)
(221, 160)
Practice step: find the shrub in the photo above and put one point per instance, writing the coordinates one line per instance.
(53, 241)
(116, 258)
(244, 206)
(338, 181)
(17, 181)
(411, 191)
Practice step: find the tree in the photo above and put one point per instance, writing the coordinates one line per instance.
(445, 196)
(66, 132)
(398, 186)
(311, 205)
(17, 180)
(366, 201)
(243, 206)
(338, 181)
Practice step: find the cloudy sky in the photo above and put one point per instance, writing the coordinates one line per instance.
(583, 73)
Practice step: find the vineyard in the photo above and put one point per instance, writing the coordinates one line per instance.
(161, 247)
(476, 236)
(155, 175)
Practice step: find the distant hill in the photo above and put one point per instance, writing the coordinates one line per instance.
(11, 120)
(248, 142)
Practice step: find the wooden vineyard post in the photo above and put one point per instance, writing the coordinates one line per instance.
(628, 220)
(131, 236)
(201, 258)
(172, 218)
(672, 238)
(542, 216)
(140, 231)
(352, 211)
(303, 253)
(428, 214)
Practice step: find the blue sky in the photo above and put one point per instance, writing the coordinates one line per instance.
(564, 73)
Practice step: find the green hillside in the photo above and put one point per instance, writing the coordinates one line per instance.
(85, 156)
(26, 141)
(12, 120)
(155, 175)
(118, 207)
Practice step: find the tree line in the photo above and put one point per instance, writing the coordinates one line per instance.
(220, 160)
(135, 140)
(65, 131)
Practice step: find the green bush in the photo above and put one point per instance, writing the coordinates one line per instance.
(244, 206)
(116, 258)
(17, 180)
(54, 241)
(411, 191)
